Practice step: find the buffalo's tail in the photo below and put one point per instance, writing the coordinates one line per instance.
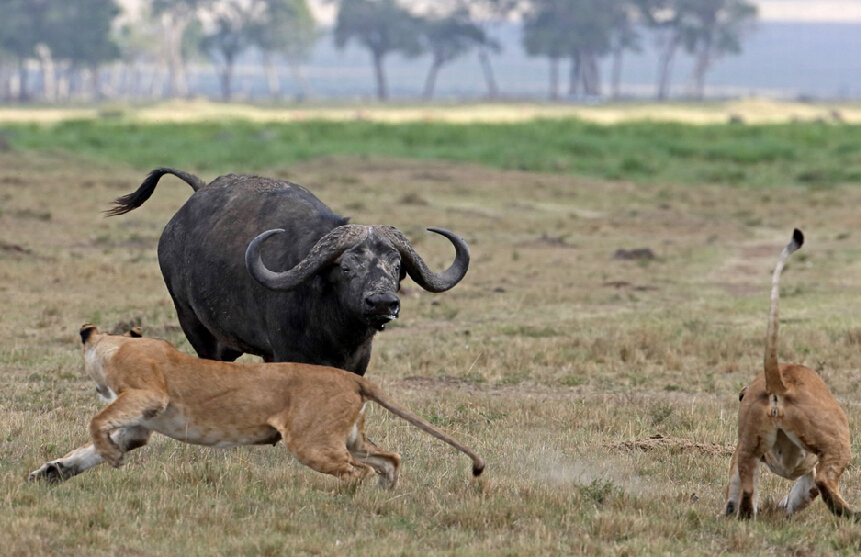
(126, 203)
(372, 392)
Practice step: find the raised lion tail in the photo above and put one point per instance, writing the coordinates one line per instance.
(773, 378)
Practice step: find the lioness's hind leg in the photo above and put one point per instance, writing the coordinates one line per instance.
(83, 458)
(733, 490)
(333, 461)
(327, 456)
(748, 475)
(803, 492)
(828, 471)
(386, 464)
(129, 410)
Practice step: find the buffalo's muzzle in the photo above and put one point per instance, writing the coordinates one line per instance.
(380, 308)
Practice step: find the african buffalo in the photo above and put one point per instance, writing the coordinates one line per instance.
(336, 283)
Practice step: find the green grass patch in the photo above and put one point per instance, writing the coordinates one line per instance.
(813, 155)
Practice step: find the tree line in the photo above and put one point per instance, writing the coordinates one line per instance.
(92, 48)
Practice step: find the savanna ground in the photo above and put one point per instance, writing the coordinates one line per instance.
(558, 363)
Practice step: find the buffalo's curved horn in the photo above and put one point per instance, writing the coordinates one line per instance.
(325, 251)
(416, 267)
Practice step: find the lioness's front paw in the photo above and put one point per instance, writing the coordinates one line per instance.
(53, 472)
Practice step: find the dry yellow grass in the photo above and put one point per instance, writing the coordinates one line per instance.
(750, 111)
(551, 359)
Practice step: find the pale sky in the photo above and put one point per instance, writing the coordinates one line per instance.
(833, 11)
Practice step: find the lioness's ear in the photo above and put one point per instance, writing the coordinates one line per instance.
(741, 393)
(87, 330)
(135, 332)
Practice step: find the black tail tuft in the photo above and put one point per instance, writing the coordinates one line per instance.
(798, 237)
(478, 468)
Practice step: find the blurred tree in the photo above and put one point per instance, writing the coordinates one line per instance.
(381, 26)
(715, 29)
(230, 31)
(22, 26)
(546, 36)
(581, 28)
(176, 16)
(87, 50)
(486, 12)
(666, 19)
(31, 28)
(288, 28)
(448, 38)
(624, 36)
(138, 42)
(707, 29)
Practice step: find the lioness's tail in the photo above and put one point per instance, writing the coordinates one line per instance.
(135, 199)
(773, 378)
(372, 392)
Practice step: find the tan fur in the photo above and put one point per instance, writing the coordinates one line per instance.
(789, 420)
(318, 411)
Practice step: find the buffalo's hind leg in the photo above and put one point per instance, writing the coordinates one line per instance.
(204, 343)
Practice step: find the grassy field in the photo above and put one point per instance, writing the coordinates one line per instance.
(601, 392)
(811, 154)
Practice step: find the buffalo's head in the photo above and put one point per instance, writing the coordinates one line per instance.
(364, 265)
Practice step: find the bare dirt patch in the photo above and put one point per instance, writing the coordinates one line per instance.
(672, 444)
(14, 251)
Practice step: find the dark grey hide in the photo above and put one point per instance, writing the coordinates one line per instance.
(262, 266)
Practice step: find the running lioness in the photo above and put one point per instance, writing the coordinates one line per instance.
(318, 411)
(788, 419)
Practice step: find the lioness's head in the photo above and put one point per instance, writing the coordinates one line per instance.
(89, 332)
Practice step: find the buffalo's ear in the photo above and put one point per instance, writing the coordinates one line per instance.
(403, 273)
